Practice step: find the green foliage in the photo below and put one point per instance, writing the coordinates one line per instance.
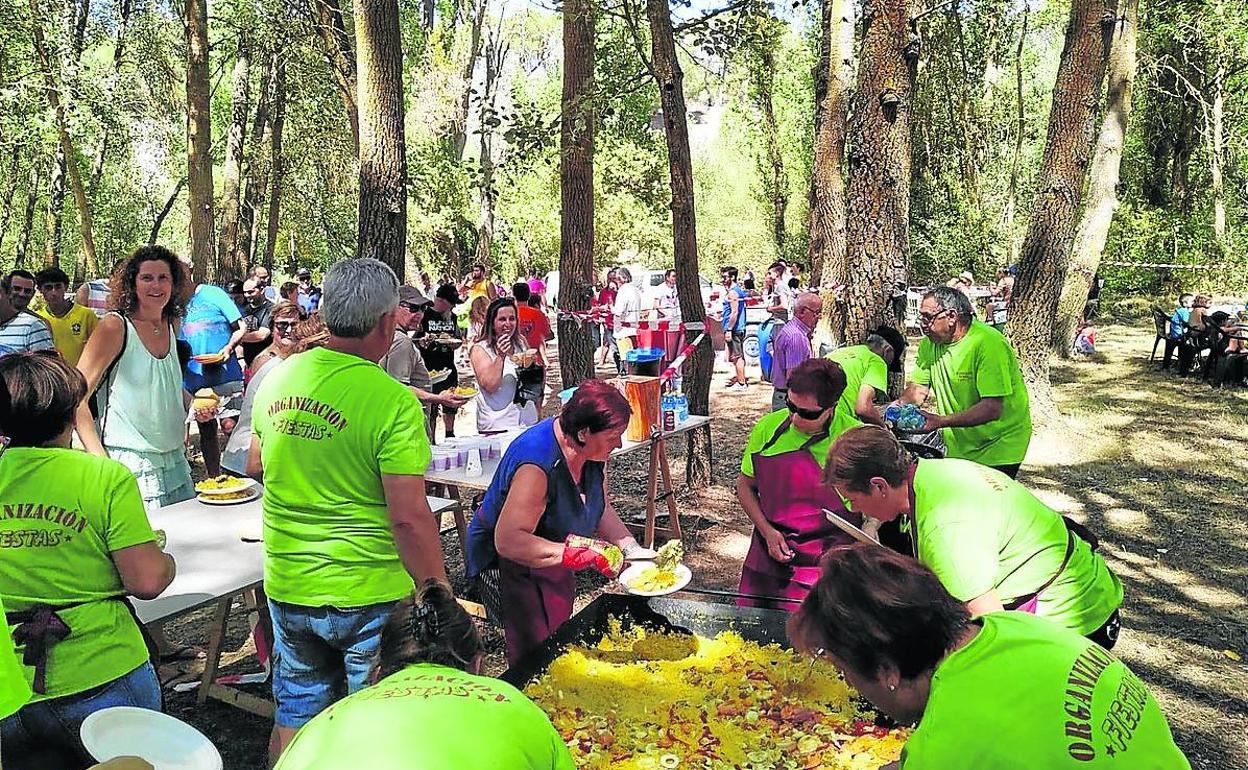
(965, 127)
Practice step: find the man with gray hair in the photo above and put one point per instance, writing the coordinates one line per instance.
(626, 311)
(981, 399)
(341, 447)
(792, 345)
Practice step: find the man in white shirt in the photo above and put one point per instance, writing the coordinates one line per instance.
(626, 310)
(19, 330)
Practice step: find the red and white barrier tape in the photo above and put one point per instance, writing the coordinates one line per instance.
(679, 360)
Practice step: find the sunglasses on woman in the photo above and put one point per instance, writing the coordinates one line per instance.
(805, 414)
(284, 325)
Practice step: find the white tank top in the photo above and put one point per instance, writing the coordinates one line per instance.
(142, 408)
(499, 411)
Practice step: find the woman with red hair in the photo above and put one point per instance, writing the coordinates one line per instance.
(546, 515)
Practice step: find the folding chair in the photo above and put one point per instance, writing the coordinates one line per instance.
(1162, 322)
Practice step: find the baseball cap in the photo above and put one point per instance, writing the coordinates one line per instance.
(449, 293)
(301, 272)
(410, 295)
(897, 342)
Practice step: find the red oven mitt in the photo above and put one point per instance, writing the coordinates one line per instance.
(580, 552)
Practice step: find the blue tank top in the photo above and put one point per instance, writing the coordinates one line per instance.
(565, 512)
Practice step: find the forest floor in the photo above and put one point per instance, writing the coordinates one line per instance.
(1155, 465)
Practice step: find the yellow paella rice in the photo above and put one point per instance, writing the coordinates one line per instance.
(220, 484)
(728, 703)
(653, 579)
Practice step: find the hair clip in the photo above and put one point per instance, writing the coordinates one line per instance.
(427, 617)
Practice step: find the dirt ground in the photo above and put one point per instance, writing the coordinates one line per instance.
(1155, 465)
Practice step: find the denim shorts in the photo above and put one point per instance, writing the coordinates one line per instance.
(321, 654)
(45, 734)
(164, 477)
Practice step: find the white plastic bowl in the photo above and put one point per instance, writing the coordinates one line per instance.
(163, 741)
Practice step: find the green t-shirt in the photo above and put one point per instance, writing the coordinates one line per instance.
(792, 439)
(432, 718)
(862, 367)
(330, 425)
(980, 365)
(1027, 695)
(980, 530)
(14, 690)
(62, 514)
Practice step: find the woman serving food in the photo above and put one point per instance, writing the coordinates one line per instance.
(993, 544)
(540, 518)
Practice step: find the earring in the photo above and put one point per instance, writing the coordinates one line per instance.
(892, 688)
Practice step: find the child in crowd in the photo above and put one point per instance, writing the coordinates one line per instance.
(1178, 327)
(1085, 338)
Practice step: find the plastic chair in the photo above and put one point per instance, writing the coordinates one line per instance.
(1162, 322)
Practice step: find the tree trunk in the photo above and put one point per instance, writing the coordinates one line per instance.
(257, 166)
(232, 257)
(494, 60)
(1159, 136)
(827, 211)
(426, 16)
(697, 370)
(276, 165)
(10, 189)
(164, 211)
(1217, 151)
(1059, 192)
(56, 208)
(459, 122)
(576, 191)
(327, 17)
(776, 180)
(1011, 196)
(101, 153)
(28, 221)
(1182, 195)
(879, 169)
(819, 78)
(1103, 178)
(383, 165)
(66, 148)
(199, 142)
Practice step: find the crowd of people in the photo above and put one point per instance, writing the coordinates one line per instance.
(989, 606)
(1196, 330)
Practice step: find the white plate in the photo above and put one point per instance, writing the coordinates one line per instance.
(210, 500)
(243, 483)
(163, 741)
(683, 576)
(848, 528)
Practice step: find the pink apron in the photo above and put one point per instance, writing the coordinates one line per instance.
(792, 496)
(535, 602)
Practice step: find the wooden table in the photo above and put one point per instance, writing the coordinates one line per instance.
(658, 472)
(215, 565)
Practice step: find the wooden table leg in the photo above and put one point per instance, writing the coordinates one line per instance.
(652, 488)
(216, 639)
(669, 495)
(710, 452)
(461, 529)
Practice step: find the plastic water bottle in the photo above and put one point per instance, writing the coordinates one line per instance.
(474, 469)
(905, 417)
